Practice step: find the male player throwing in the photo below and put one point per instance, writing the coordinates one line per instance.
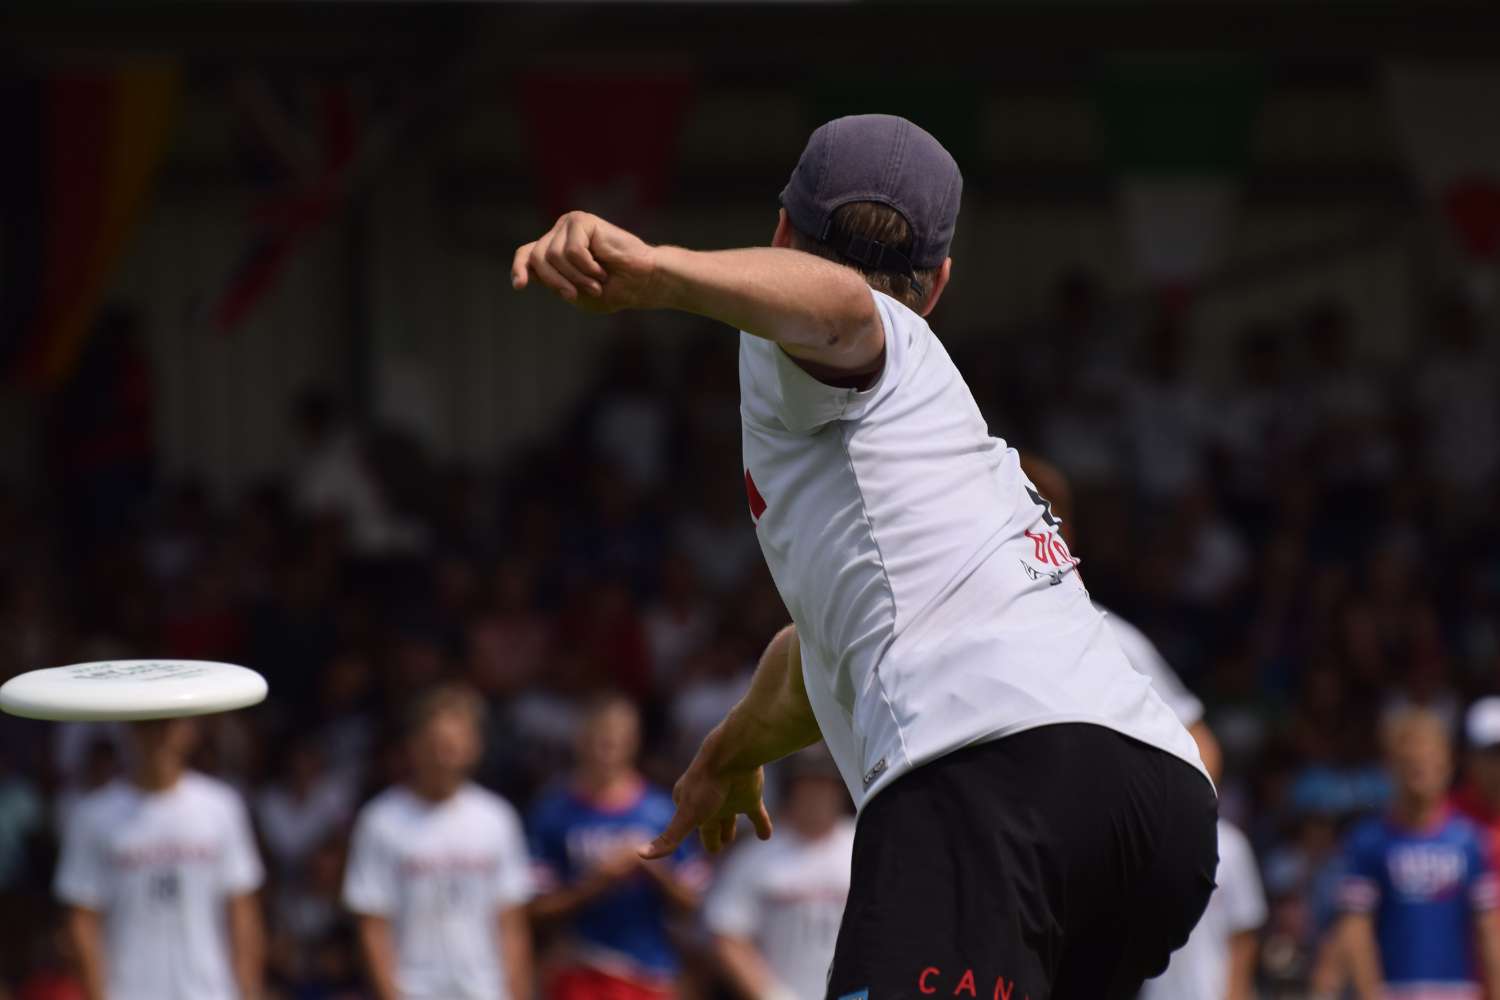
(1034, 821)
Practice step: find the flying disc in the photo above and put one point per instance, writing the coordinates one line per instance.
(125, 690)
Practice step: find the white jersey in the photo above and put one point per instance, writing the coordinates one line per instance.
(441, 873)
(161, 868)
(1147, 659)
(787, 895)
(936, 603)
(1200, 968)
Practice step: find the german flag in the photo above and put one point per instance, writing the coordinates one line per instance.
(83, 150)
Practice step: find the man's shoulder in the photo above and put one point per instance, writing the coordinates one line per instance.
(489, 807)
(103, 805)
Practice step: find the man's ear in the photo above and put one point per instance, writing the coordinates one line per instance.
(939, 282)
(783, 235)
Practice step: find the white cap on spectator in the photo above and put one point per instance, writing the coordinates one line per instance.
(1483, 723)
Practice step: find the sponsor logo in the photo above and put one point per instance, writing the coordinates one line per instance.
(875, 772)
(856, 995)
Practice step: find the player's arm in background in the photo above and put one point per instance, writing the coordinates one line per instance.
(1350, 953)
(513, 928)
(370, 895)
(86, 934)
(82, 883)
(725, 780)
(818, 311)
(247, 944)
(1244, 949)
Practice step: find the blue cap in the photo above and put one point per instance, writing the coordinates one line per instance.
(880, 158)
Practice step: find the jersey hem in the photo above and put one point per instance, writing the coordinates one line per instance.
(1036, 722)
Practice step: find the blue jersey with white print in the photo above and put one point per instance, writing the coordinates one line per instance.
(1422, 887)
(622, 932)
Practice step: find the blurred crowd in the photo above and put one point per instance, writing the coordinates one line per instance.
(1311, 539)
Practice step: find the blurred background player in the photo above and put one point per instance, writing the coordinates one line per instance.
(775, 907)
(1218, 961)
(160, 871)
(438, 873)
(1419, 894)
(610, 907)
(1478, 797)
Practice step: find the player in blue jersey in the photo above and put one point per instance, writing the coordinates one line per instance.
(612, 906)
(1419, 896)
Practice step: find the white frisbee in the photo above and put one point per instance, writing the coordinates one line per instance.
(125, 690)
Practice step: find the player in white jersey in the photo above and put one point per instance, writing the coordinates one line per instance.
(439, 874)
(1023, 793)
(775, 906)
(1218, 961)
(159, 873)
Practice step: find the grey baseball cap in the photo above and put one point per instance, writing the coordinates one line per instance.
(879, 158)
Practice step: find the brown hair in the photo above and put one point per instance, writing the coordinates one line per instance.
(875, 221)
(441, 700)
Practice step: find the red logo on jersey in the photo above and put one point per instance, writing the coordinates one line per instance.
(757, 502)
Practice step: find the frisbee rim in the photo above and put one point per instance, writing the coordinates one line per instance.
(230, 687)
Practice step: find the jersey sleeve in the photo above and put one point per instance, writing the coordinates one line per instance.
(1483, 886)
(242, 870)
(805, 405)
(370, 878)
(1244, 899)
(733, 906)
(83, 872)
(1359, 886)
(514, 884)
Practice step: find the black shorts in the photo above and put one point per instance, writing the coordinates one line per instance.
(1063, 863)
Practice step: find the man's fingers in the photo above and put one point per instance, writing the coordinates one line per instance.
(727, 829)
(670, 839)
(557, 256)
(762, 821)
(576, 246)
(713, 842)
(548, 275)
(518, 266)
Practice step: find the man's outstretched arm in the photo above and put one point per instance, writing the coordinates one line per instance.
(817, 310)
(725, 780)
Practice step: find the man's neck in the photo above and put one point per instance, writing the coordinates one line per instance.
(157, 777)
(436, 788)
(1419, 814)
(611, 789)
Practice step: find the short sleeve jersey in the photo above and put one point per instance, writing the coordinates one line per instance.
(161, 868)
(1422, 888)
(624, 931)
(936, 603)
(1147, 659)
(441, 872)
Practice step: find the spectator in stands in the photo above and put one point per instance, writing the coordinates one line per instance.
(160, 873)
(776, 905)
(1419, 896)
(438, 875)
(612, 907)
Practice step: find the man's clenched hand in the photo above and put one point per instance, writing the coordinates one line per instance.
(591, 263)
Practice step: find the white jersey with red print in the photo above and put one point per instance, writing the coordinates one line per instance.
(786, 895)
(441, 872)
(161, 868)
(936, 603)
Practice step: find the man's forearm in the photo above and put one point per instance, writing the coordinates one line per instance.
(380, 956)
(83, 931)
(247, 941)
(811, 306)
(515, 949)
(773, 719)
(1487, 946)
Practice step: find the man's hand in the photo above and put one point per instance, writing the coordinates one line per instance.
(711, 802)
(593, 264)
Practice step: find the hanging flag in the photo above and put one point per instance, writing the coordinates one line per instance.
(298, 193)
(1177, 132)
(611, 163)
(1445, 118)
(96, 142)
